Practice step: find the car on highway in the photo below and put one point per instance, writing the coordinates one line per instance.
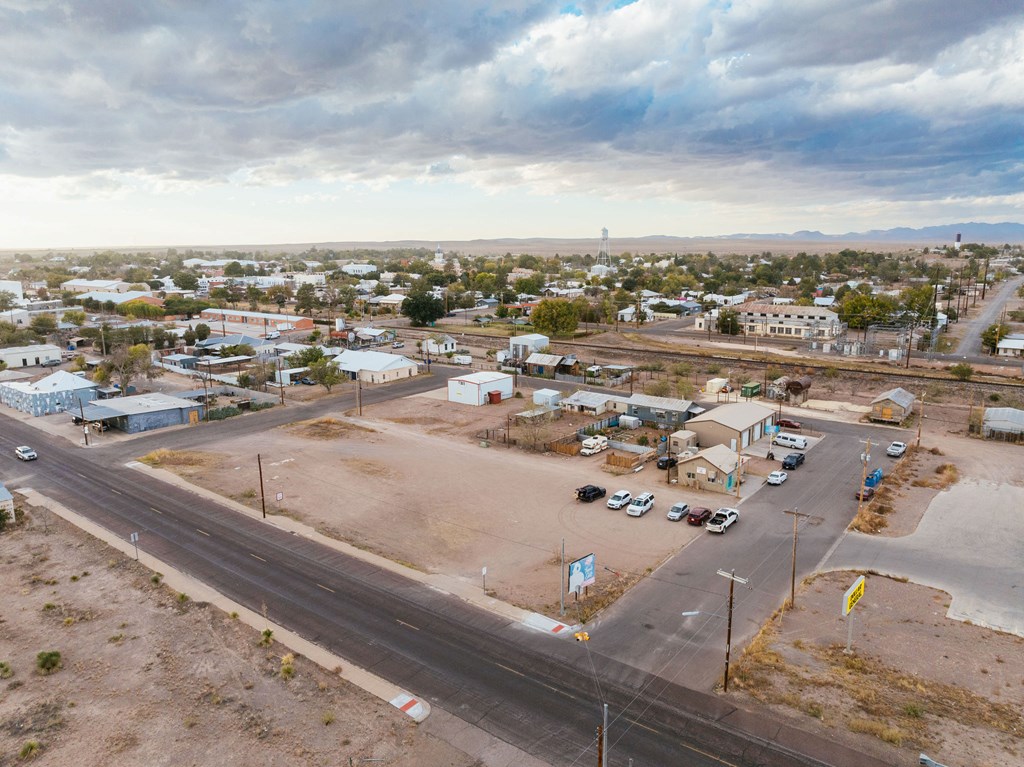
(788, 423)
(641, 505)
(678, 511)
(589, 493)
(865, 494)
(722, 520)
(793, 460)
(777, 477)
(25, 453)
(667, 462)
(620, 499)
(698, 515)
(896, 449)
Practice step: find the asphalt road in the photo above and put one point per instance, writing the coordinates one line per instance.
(970, 344)
(533, 691)
(648, 630)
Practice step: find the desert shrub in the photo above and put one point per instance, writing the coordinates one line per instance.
(6, 672)
(288, 666)
(30, 749)
(220, 413)
(48, 662)
(266, 637)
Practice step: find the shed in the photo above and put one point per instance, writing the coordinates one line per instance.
(680, 441)
(547, 397)
(542, 364)
(475, 388)
(715, 385)
(751, 389)
(1005, 423)
(893, 406)
(798, 388)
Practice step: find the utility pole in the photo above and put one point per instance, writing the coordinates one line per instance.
(984, 280)
(792, 578)
(263, 492)
(280, 383)
(561, 583)
(739, 466)
(920, 420)
(733, 580)
(864, 457)
(85, 426)
(359, 395)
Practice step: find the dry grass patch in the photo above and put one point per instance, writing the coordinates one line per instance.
(163, 458)
(946, 474)
(326, 428)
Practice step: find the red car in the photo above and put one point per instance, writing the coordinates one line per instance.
(786, 423)
(698, 515)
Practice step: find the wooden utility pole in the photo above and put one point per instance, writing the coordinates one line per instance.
(733, 580)
(792, 579)
(263, 492)
(920, 420)
(864, 457)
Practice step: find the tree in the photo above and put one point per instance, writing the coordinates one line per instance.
(555, 316)
(127, 363)
(305, 299)
(189, 336)
(202, 331)
(43, 324)
(326, 373)
(253, 295)
(962, 371)
(185, 280)
(728, 322)
(74, 317)
(993, 334)
(7, 300)
(306, 357)
(422, 308)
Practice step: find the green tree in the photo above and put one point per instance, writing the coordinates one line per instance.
(253, 295)
(728, 322)
(189, 336)
(555, 316)
(127, 363)
(305, 299)
(422, 308)
(993, 334)
(962, 371)
(326, 373)
(185, 280)
(202, 331)
(306, 357)
(75, 317)
(43, 324)
(7, 300)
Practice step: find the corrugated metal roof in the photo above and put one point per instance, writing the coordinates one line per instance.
(1004, 419)
(738, 416)
(901, 397)
(543, 359)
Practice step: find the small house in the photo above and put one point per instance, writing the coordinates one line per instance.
(547, 397)
(714, 469)
(893, 406)
(538, 364)
(525, 345)
(1004, 423)
(438, 345)
(375, 367)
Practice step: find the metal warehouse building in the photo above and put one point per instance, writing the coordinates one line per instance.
(145, 412)
(477, 388)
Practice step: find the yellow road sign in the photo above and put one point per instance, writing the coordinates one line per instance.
(853, 595)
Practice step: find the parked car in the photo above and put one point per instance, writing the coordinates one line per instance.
(777, 477)
(792, 461)
(49, 363)
(865, 494)
(397, 345)
(307, 381)
(896, 449)
(620, 499)
(722, 520)
(641, 505)
(25, 453)
(787, 423)
(790, 440)
(589, 493)
(698, 515)
(667, 462)
(678, 511)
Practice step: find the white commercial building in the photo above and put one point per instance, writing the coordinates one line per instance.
(14, 288)
(375, 367)
(26, 356)
(476, 388)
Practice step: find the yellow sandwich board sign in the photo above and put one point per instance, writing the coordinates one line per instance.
(853, 595)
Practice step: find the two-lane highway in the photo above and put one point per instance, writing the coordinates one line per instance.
(533, 691)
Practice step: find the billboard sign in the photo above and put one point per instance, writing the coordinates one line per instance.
(582, 573)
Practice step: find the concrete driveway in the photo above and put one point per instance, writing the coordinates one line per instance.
(970, 544)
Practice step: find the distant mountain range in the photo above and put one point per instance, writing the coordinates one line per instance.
(990, 234)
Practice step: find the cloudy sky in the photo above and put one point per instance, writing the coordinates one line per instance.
(134, 122)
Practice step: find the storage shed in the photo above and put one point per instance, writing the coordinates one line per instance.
(893, 406)
(1005, 423)
(547, 397)
(475, 388)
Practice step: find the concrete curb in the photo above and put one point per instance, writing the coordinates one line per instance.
(408, 704)
(440, 582)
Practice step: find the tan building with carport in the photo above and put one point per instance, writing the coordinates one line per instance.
(736, 426)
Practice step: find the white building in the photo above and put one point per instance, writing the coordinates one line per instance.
(359, 270)
(84, 286)
(478, 388)
(375, 367)
(521, 347)
(26, 356)
(13, 287)
(766, 319)
(438, 345)
(1011, 346)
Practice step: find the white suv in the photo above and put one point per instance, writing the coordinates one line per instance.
(620, 499)
(641, 505)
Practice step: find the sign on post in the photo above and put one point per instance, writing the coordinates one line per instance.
(582, 573)
(850, 600)
(134, 538)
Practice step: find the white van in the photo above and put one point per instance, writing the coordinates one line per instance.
(271, 334)
(790, 440)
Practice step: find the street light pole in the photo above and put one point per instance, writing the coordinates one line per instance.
(733, 580)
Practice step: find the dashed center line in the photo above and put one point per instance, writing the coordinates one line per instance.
(116, 491)
(153, 508)
(261, 559)
(325, 588)
(203, 532)
(517, 673)
(407, 625)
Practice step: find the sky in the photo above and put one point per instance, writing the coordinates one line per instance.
(192, 123)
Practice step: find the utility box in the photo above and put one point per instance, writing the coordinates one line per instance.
(750, 389)
(874, 479)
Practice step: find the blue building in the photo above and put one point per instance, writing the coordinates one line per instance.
(145, 412)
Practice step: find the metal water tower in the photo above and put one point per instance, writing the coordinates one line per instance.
(603, 257)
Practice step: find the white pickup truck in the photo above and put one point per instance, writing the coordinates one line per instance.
(592, 445)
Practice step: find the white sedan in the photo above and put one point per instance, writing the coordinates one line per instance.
(896, 449)
(777, 477)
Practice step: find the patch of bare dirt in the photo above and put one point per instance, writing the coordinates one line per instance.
(915, 680)
(326, 428)
(146, 679)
